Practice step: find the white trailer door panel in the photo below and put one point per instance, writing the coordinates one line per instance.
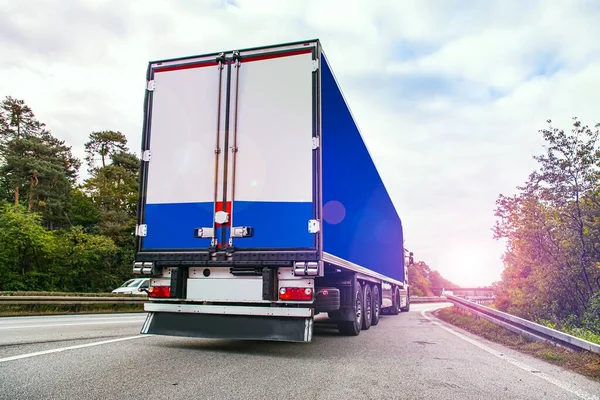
(271, 172)
(180, 195)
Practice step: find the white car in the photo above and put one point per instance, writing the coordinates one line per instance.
(134, 286)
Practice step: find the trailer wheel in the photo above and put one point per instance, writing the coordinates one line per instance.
(376, 305)
(353, 328)
(395, 308)
(368, 307)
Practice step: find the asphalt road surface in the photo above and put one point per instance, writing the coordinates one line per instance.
(408, 356)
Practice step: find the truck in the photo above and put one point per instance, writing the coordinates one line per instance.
(260, 206)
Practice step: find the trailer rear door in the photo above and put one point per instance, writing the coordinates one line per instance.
(231, 159)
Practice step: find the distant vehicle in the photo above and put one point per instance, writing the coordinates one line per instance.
(134, 286)
(260, 205)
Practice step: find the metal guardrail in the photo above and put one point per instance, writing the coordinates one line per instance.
(431, 299)
(71, 300)
(523, 326)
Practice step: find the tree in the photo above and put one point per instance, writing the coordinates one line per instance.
(537, 278)
(113, 189)
(552, 228)
(34, 165)
(49, 170)
(59, 235)
(568, 173)
(103, 145)
(17, 123)
(422, 278)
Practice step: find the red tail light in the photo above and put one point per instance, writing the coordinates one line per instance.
(159, 291)
(294, 293)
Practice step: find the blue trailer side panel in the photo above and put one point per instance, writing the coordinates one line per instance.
(360, 222)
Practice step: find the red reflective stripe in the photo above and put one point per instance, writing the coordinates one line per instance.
(249, 58)
(260, 57)
(201, 64)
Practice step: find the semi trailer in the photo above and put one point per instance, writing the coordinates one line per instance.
(259, 203)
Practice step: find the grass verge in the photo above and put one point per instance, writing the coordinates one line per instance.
(52, 309)
(583, 362)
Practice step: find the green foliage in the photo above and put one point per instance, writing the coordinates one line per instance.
(112, 190)
(422, 278)
(102, 145)
(591, 318)
(25, 249)
(552, 229)
(84, 212)
(589, 333)
(58, 234)
(36, 168)
(87, 260)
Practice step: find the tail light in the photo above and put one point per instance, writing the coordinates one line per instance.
(295, 293)
(159, 291)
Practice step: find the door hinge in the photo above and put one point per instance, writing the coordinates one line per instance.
(315, 65)
(242, 231)
(151, 85)
(203, 233)
(141, 230)
(315, 143)
(146, 155)
(314, 226)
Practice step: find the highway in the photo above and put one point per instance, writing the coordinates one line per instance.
(409, 356)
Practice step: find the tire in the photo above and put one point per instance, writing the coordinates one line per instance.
(407, 308)
(368, 307)
(353, 328)
(395, 308)
(376, 305)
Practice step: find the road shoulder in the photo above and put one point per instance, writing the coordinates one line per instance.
(578, 384)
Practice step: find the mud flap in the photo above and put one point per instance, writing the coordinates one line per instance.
(239, 327)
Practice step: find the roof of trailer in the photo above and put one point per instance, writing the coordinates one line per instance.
(241, 50)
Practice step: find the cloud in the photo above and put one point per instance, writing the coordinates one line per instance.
(68, 30)
(448, 95)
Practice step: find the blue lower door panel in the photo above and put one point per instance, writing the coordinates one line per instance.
(171, 226)
(277, 225)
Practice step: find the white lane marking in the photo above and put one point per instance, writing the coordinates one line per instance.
(60, 349)
(73, 324)
(579, 393)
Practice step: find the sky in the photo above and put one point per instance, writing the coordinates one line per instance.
(449, 95)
